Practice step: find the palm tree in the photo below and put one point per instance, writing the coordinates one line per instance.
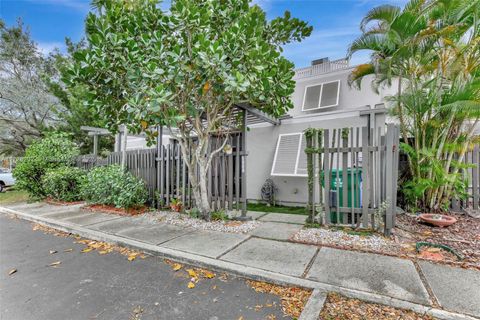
(431, 50)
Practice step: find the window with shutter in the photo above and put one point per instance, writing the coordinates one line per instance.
(290, 158)
(330, 93)
(324, 95)
(312, 97)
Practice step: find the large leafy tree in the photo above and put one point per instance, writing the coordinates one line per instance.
(431, 50)
(27, 107)
(76, 113)
(186, 69)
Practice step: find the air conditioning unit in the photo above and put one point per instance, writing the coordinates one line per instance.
(319, 61)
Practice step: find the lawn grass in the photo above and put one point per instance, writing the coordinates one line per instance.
(12, 195)
(277, 208)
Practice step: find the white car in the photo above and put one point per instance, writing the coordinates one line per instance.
(6, 179)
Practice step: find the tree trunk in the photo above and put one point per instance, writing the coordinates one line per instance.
(202, 197)
(196, 159)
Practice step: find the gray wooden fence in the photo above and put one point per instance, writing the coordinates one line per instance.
(355, 173)
(472, 178)
(166, 174)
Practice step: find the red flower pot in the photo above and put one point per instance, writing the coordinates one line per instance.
(438, 220)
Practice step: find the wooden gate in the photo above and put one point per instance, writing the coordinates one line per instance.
(353, 176)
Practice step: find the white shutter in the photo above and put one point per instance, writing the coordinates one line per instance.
(302, 158)
(330, 94)
(286, 155)
(311, 97)
(290, 157)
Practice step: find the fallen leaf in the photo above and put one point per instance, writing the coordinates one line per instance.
(87, 250)
(176, 266)
(68, 250)
(56, 263)
(132, 257)
(103, 252)
(53, 251)
(241, 318)
(191, 285)
(192, 273)
(12, 272)
(209, 274)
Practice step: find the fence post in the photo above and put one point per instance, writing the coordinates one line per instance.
(326, 173)
(475, 171)
(124, 149)
(390, 174)
(366, 177)
(244, 166)
(310, 173)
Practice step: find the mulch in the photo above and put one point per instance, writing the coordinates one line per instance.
(463, 237)
(339, 307)
(114, 210)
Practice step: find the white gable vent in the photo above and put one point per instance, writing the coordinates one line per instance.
(324, 95)
(289, 157)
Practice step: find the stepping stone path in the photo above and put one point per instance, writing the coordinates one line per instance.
(285, 218)
(276, 230)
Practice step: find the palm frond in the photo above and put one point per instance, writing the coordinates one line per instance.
(373, 42)
(361, 71)
(386, 13)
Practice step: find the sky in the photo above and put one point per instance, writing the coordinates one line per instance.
(335, 23)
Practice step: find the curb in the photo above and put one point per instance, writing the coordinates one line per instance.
(314, 305)
(320, 289)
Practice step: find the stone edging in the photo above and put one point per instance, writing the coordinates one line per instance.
(243, 271)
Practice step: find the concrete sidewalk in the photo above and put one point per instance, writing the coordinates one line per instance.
(263, 255)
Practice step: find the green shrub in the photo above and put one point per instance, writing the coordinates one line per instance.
(111, 185)
(219, 215)
(51, 152)
(63, 183)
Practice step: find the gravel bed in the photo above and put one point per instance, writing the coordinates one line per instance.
(183, 220)
(342, 239)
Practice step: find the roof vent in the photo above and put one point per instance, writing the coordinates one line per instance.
(319, 61)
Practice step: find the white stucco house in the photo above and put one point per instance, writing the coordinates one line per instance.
(322, 99)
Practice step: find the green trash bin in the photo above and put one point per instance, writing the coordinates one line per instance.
(353, 175)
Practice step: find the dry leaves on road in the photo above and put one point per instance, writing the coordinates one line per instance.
(12, 272)
(48, 230)
(293, 298)
(193, 274)
(55, 264)
(104, 248)
(339, 307)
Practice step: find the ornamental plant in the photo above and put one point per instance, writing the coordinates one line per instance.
(51, 152)
(111, 185)
(186, 69)
(64, 183)
(430, 52)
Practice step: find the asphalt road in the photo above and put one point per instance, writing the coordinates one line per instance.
(92, 286)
